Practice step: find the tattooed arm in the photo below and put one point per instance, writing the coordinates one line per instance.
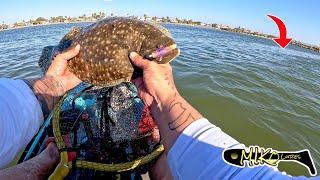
(17, 128)
(56, 82)
(39, 167)
(177, 114)
(171, 111)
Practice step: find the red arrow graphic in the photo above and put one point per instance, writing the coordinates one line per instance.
(282, 41)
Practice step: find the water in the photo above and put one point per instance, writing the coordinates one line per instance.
(255, 91)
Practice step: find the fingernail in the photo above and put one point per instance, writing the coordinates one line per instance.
(78, 47)
(133, 55)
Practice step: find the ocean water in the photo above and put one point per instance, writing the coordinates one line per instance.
(249, 87)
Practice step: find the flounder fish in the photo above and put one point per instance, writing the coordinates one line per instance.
(105, 46)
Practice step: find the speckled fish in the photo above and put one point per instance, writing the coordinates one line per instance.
(105, 46)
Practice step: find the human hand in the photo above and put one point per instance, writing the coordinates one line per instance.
(56, 82)
(157, 84)
(58, 71)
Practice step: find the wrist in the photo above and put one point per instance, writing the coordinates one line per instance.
(52, 154)
(51, 86)
(47, 91)
(164, 101)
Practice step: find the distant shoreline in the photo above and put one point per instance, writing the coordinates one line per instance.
(296, 43)
(39, 25)
(299, 44)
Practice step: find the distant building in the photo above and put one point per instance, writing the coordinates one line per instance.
(3, 26)
(223, 27)
(19, 24)
(159, 20)
(214, 25)
(174, 21)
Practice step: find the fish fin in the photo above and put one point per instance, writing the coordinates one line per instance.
(66, 41)
(46, 57)
(72, 33)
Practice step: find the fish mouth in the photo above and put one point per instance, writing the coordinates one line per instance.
(166, 54)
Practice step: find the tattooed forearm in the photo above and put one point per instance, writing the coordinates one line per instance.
(175, 115)
(39, 167)
(48, 91)
(181, 114)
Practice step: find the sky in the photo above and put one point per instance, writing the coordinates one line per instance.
(302, 18)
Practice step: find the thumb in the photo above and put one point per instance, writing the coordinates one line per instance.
(70, 53)
(137, 60)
